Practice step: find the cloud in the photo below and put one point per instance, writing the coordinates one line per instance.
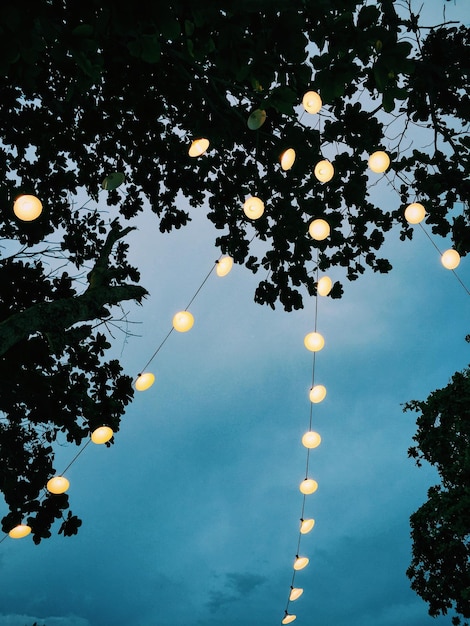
(236, 586)
(29, 620)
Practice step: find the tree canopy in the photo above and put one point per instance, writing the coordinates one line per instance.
(105, 98)
(440, 567)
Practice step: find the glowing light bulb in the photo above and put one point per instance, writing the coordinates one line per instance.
(300, 562)
(27, 208)
(295, 593)
(324, 171)
(450, 259)
(314, 342)
(312, 102)
(379, 161)
(287, 159)
(224, 265)
(144, 381)
(253, 208)
(324, 286)
(183, 321)
(198, 147)
(317, 394)
(306, 525)
(415, 213)
(57, 485)
(20, 531)
(308, 486)
(289, 618)
(102, 434)
(319, 229)
(311, 439)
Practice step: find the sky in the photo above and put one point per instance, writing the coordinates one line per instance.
(191, 517)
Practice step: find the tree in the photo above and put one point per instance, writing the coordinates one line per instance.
(440, 566)
(105, 96)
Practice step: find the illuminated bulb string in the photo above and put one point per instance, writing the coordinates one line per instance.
(288, 617)
(82, 449)
(46, 493)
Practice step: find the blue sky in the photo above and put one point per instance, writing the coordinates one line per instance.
(191, 518)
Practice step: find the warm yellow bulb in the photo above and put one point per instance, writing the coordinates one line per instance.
(306, 525)
(324, 286)
(287, 159)
(319, 229)
(224, 265)
(102, 434)
(198, 147)
(324, 171)
(317, 394)
(253, 207)
(289, 618)
(379, 161)
(27, 208)
(314, 342)
(183, 321)
(300, 562)
(295, 593)
(308, 486)
(144, 381)
(415, 213)
(450, 259)
(20, 531)
(312, 102)
(58, 485)
(311, 439)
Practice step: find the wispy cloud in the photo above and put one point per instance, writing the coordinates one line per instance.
(236, 585)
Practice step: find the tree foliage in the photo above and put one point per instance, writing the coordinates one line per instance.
(103, 97)
(440, 566)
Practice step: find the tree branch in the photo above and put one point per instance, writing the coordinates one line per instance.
(60, 314)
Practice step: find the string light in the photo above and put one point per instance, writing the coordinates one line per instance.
(319, 229)
(450, 259)
(312, 102)
(295, 593)
(198, 147)
(144, 381)
(20, 531)
(224, 266)
(287, 159)
(288, 618)
(324, 171)
(301, 562)
(311, 439)
(306, 525)
(415, 213)
(317, 394)
(57, 485)
(324, 285)
(314, 342)
(183, 321)
(379, 161)
(308, 486)
(102, 435)
(253, 207)
(27, 207)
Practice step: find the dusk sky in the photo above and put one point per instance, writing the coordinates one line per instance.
(191, 517)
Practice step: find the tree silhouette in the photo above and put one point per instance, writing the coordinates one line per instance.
(105, 97)
(440, 567)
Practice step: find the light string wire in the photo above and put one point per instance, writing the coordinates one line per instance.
(307, 462)
(440, 253)
(82, 449)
